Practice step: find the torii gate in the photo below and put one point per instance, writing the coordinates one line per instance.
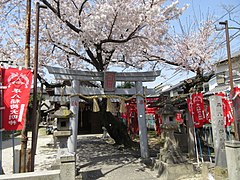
(109, 79)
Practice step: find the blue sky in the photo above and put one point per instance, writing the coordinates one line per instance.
(200, 8)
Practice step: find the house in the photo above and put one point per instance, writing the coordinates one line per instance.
(221, 81)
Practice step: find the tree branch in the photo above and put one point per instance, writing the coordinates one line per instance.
(130, 36)
(99, 56)
(173, 63)
(94, 61)
(57, 13)
(114, 20)
(48, 85)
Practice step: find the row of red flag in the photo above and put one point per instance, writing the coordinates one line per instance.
(201, 113)
(16, 85)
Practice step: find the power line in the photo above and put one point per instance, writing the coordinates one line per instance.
(176, 73)
(226, 13)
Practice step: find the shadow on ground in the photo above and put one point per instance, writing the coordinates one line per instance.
(96, 158)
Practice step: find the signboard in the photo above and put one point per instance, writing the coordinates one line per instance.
(15, 97)
(109, 81)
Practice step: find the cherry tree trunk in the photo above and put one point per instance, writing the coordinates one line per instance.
(115, 127)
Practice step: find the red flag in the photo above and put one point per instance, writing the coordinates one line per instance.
(236, 90)
(198, 109)
(179, 118)
(227, 112)
(15, 97)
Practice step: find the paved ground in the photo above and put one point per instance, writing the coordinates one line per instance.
(44, 155)
(96, 159)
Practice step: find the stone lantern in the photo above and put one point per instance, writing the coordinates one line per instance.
(63, 129)
(168, 114)
(170, 157)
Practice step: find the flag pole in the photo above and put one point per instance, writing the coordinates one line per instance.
(13, 145)
(24, 139)
(1, 98)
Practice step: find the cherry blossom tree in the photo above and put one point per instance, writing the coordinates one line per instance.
(193, 48)
(91, 34)
(98, 34)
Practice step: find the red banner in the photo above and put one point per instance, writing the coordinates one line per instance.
(198, 109)
(15, 97)
(227, 112)
(179, 118)
(227, 109)
(236, 90)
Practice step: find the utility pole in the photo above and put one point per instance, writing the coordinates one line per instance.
(24, 139)
(225, 23)
(28, 33)
(35, 116)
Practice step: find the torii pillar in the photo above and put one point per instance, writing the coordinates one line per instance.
(74, 107)
(142, 121)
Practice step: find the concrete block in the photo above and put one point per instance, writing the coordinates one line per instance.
(233, 158)
(67, 167)
(67, 171)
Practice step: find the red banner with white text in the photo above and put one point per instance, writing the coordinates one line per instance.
(198, 110)
(15, 97)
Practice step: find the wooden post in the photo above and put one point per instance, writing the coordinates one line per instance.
(1, 121)
(28, 34)
(35, 105)
(23, 153)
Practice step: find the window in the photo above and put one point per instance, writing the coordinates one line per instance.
(221, 78)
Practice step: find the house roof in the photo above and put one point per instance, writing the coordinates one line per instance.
(217, 89)
(233, 57)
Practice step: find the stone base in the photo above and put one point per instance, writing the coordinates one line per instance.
(62, 133)
(174, 171)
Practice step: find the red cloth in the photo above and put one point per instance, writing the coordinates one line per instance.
(179, 118)
(15, 97)
(158, 122)
(227, 110)
(198, 109)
